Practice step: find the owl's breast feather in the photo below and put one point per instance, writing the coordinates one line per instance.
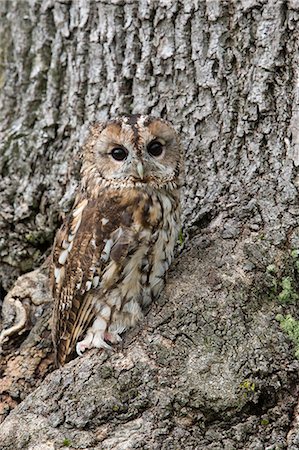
(143, 252)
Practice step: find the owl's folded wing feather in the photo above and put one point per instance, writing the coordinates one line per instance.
(74, 260)
(82, 250)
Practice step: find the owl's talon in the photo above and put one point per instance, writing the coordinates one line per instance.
(114, 338)
(94, 341)
(81, 347)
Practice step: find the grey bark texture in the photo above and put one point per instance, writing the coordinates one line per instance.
(210, 367)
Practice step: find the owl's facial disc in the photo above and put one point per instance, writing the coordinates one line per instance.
(137, 149)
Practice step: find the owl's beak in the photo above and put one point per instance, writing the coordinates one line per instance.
(140, 170)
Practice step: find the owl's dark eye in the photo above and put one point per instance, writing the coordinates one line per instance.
(119, 153)
(155, 148)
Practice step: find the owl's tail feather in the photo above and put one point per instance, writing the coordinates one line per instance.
(76, 326)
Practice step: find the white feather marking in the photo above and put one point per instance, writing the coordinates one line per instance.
(70, 237)
(63, 256)
(95, 281)
(70, 246)
(65, 244)
(62, 306)
(105, 312)
(99, 324)
(88, 285)
(57, 274)
(104, 221)
(106, 251)
(78, 285)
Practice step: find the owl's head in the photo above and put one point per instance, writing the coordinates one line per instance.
(135, 150)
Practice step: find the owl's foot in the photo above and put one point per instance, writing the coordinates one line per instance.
(85, 344)
(114, 338)
(81, 347)
(92, 340)
(99, 342)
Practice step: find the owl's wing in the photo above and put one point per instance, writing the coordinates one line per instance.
(93, 235)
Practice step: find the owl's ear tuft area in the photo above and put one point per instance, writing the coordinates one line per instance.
(89, 136)
(97, 127)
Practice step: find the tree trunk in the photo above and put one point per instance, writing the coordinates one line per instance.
(212, 365)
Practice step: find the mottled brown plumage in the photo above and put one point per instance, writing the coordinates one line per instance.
(111, 254)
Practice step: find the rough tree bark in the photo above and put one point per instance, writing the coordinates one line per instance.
(210, 367)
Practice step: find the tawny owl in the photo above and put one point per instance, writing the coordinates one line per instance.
(111, 254)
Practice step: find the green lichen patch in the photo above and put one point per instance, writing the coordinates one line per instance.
(284, 279)
(248, 391)
(291, 327)
(272, 269)
(288, 293)
(247, 385)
